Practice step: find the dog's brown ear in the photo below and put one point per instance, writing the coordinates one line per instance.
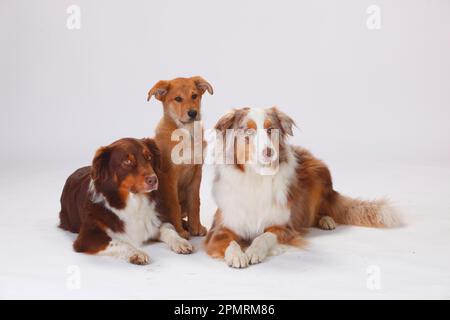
(203, 85)
(154, 150)
(99, 171)
(159, 90)
(226, 121)
(286, 122)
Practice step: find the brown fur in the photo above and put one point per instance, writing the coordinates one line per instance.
(312, 200)
(219, 238)
(287, 235)
(180, 183)
(313, 197)
(114, 178)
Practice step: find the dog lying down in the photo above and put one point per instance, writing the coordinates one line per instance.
(276, 192)
(114, 204)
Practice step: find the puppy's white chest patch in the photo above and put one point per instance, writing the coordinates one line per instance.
(140, 220)
(251, 202)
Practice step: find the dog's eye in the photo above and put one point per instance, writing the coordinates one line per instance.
(147, 157)
(194, 96)
(178, 99)
(127, 163)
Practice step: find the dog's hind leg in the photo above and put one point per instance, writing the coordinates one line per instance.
(326, 223)
(93, 240)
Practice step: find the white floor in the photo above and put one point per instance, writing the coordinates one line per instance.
(350, 262)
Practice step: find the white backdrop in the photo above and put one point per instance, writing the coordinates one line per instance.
(382, 94)
(362, 98)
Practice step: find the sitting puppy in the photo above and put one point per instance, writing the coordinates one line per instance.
(113, 204)
(275, 192)
(180, 185)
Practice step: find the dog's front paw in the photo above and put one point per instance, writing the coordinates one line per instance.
(256, 254)
(139, 258)
(182, 246)
(234, 257)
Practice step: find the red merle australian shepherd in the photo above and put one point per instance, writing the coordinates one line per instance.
(273, 190)
(114, 204)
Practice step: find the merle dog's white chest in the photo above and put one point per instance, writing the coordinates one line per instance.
(250, 202)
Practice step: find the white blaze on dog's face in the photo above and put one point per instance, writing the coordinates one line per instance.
(262, 140)
(259, 138)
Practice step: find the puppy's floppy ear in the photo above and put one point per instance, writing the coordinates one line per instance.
(286, 122)
(159, 90)
(154, 150)
(99, 169)
(203, 85)
(226, 121)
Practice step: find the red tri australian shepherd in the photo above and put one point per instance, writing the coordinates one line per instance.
(114, 204)
(275, 191)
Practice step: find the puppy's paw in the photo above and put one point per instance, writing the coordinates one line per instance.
(184, 234)
(203, 231)
(234, 257)
(198, 231)
(327, 223)
(139, 258)
(182, 246)
(256, 254)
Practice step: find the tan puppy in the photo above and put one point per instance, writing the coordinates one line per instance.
(180, 183)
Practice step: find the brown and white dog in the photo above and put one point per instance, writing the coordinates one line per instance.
(181, 99)
(114, 205)
(261, 205)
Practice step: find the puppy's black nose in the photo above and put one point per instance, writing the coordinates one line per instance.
(192, 113)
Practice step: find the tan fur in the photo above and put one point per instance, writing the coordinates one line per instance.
(180, 183)
(326, 223)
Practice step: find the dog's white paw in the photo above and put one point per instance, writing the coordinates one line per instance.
(140, 258)
(234, 257)
(327, 223)
(256, 254)
(182, 246)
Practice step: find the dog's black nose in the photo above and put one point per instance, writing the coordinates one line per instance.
(151, 181)
(192, 113)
